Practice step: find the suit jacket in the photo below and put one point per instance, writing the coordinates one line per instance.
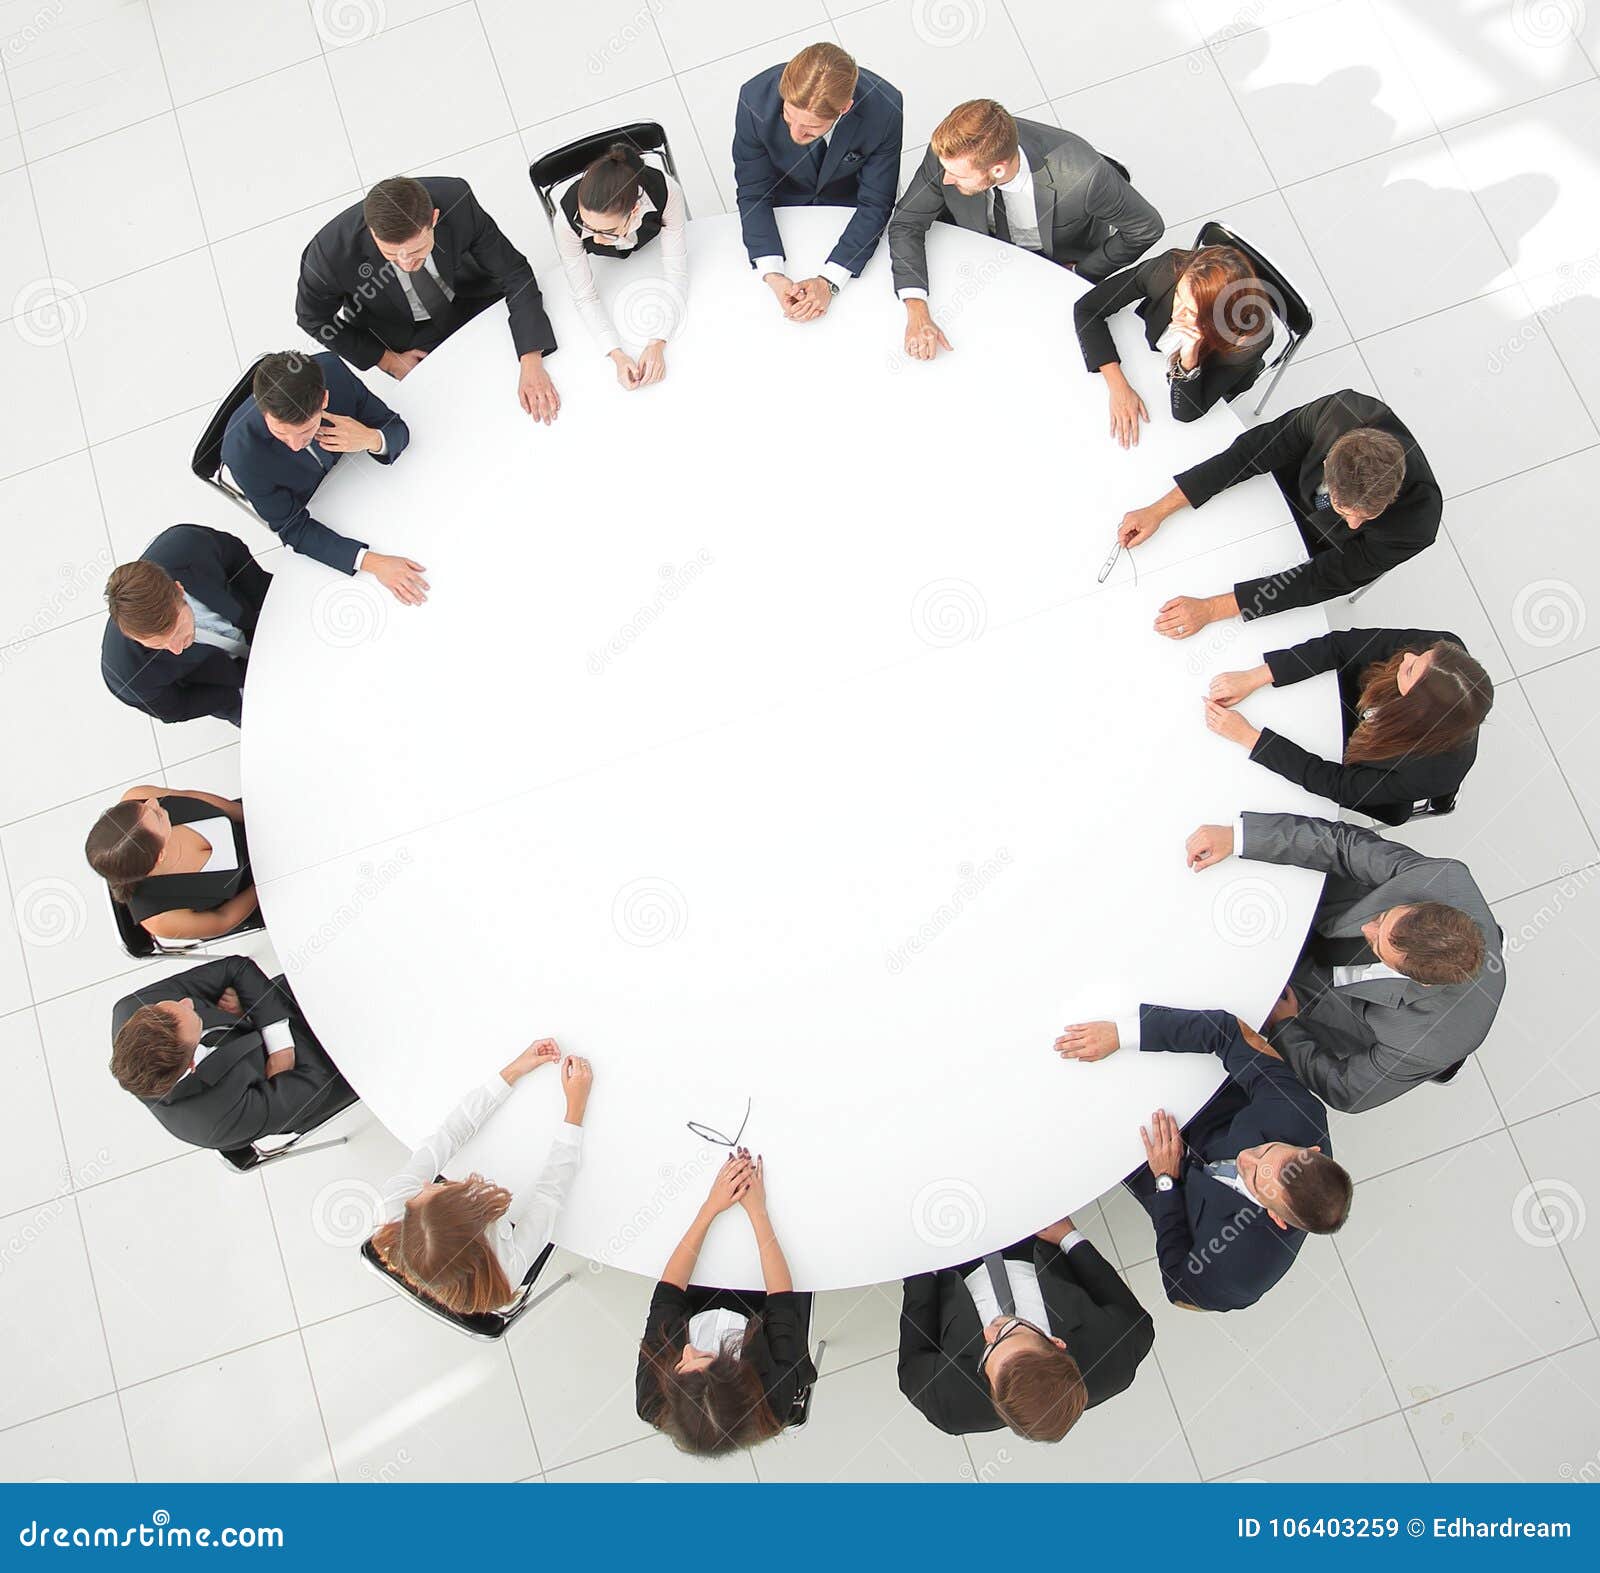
(1361, 1045)
(228, 1101)
(1293, 448)
(1218, 1249)
(860, 167)
(1089, 1307)
(1388, 789)
(217, 570)
(280, 483)
(1088, 213)
(350, 300)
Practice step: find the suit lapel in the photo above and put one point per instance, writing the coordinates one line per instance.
(1044, 202)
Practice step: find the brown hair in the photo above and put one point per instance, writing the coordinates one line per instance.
(713, 1411)
(143, 599)
(980, 130)
(611, 183)
(440, 1246)
(1318, 1191)
(289, 387)
(820, 80)
(121, 849)
(1365, 470)
(147, 1055)
(1445, 706)
(1039, 1393)
(397, 208)
(1440, 944)
(1232, 307)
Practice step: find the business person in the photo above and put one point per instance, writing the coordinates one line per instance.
(468, 1244)
(178, 861)
(1401, 975)
(719, 1369)
(615, 208)
(182, 615)
(1028, 1337)
(390, 279)
(1204, 310)
(1235, 1192)
(1411, 702)
(1356, 482)
(817, 131)
(1032, 185)
(222, 1056)
(304, 413)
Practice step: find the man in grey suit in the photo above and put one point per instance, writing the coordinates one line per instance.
(1402, 972)
(1032, 185)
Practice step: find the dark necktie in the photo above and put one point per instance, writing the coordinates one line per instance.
(999, 224)
(435, 300)
(1000, 1279)
(1331, 951)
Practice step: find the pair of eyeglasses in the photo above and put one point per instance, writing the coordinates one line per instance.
(1111, 562)
(707, 1133)
(1015, 1324)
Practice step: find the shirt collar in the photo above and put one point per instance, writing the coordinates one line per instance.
(1023, 179)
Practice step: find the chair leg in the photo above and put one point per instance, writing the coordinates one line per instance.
(544, 1294)
(299, 1150)
(1283, 366)
(816, 1359)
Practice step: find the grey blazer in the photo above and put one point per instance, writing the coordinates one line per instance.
(1365, 1043)
(1088, 213)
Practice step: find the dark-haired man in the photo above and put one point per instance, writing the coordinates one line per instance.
(1401, 976)
(391, 278)
(221, 1055)
(182, 616)
(1028, 1337)
(1235, 1192)
(304, 414)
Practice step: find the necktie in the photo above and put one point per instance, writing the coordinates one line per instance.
(1334, 951)
(1224, 1169)
(1000, 1280)
(999, 224)
(435, 299)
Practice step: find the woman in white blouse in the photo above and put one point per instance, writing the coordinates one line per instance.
(468, 1244)
(615, 208)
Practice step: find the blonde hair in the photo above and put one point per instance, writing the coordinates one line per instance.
(820, 80)
(979, 129)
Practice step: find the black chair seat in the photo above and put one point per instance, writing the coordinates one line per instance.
(562, 163)
(207, 460)
(488, 1325)
(141, 944)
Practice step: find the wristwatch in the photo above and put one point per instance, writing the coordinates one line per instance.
(831, 285)
(1165, 1182)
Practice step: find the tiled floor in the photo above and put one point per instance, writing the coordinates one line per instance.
(161, 164)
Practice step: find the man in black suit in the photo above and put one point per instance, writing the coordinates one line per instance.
(304, 414)
(1234, 1194)
(392, 278)
(1028, 1337)
(222, 1056)
(182, 617)
(1360, 490)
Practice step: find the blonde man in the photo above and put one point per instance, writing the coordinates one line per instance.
(1035, 186)
(817, 131)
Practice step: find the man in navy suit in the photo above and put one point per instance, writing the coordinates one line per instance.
(182, 617)
(1234, 1194)
(817, 131)
(304, 413)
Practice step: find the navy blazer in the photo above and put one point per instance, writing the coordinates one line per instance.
(280, 482)
(1217, 1249)
(218, 571)
(860, 169)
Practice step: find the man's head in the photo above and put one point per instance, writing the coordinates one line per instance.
(1363, 472)
(1035, 1384)
(1428, 942)
(816, 87)
(155, 1047)
(977, 145)
(291, 394)
(1301, 1187)
(401, 216)
(147, 605)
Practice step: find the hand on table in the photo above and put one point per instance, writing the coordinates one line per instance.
(731, 1182)
(924, 337)
(1231, 688)
(1229, 724)
(542, 1051)
(1138, 525)
(1088, 1040)
(1163, 1145)
(535, 391)
(653, 362)
(400, 363)
(1208, 846)
(400, 576)
(577, 1079)
(812, 299)
(1056, 1233)
(1127, 410)
(787, 293)
(1183, 616)
(754, 1198)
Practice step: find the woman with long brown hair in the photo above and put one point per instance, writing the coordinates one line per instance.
(468, 1244)
(1412, 702)
(719, 1369)
(1205, 310)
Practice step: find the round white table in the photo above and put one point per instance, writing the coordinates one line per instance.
(767, 737)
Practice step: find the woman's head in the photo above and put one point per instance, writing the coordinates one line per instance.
(711, 1401)
(608, 191)
(1219, 295)
(126, 844)
(1420, 703)
(439, 1245)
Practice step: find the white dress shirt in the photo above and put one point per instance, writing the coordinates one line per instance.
(833, 272)
(1024, 1278)
(276, 1035)
(219, 832)
(211, 629)
(1022, 215)
(712, 1330)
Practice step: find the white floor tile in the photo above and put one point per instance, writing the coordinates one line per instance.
(857, 1324)
(1425, 1121)
(1077, 46)
(1225, 22)
(33, 1162)
(11, 155)
(84, 1443)
(1129, 1225)
(38, 401)
(15, 993)
(1379, 1452)
(22, 262)
(263, 37)
(341, 24)
(1555, 1149)
(692, 35)
(1566, 305)
(55, 574)
(655, 1460)
(1565, 709)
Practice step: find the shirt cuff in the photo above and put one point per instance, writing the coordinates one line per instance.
(1238, 834)
(569, 1135)
(766, 265)
(911, 292)
(1128, 1032)
(361, 557)
(1070, 1239)
(835, 273)
(277, 1035)
(383, 445)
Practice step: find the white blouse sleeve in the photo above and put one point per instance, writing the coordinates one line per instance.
(433, 1156)
(533, 1213)
(675, 248)
(580, 280)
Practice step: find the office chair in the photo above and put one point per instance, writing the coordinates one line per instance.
(207, 460)
(487, 1326)
(242, 1160)
(562, 163)
(139, 943)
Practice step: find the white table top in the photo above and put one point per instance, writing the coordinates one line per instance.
(767, 735)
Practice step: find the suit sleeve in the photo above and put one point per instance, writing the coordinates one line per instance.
(913, 217)
(272, 1106)
(754, 178)
(372, 411)
(1362, 557)
(1219, 379)
(665, 1324)
(783, 1330)
(1093, 311)
(530, 325)
(878, 181)
(256, 991)
(1099, 1280)
(1326, 846)
(1350, 786)
(317, 302)
(1342, 649)
(178, 701)
(244, 575)
(1273, 445)
(1136, 226)
(920, 1354)
(1181, 1277)
(1351, 1083)
(289, 518)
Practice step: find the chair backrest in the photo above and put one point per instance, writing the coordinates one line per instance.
(136, 939)
(207, 460)
(572, 158)
(800, 1408)
(487, 1325)
(1295, 312)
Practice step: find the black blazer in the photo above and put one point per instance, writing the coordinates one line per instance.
(1151, 283)
(228, 1101)
(217, 570)
(1090, 1309)
(1387, 789)
(1216, 1248)
(199, 892)
(775, 1343)
(350, 299)
(1293, 448)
